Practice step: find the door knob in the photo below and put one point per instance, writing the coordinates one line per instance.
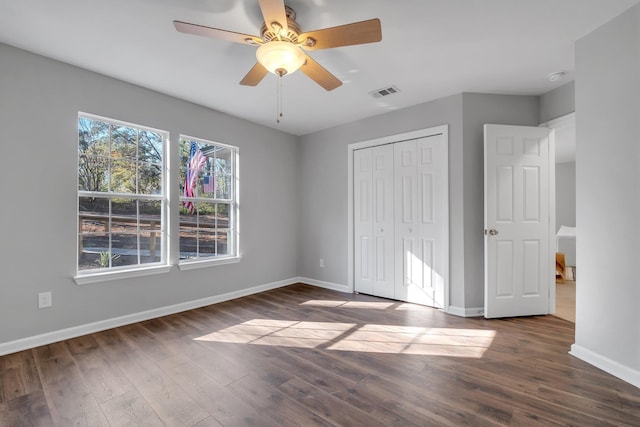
(493, 232)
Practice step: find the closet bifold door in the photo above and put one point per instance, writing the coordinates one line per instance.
(420, 212)
(374, 222)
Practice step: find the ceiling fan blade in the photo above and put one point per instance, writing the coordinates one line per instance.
(254, 76)
(320, 75)
(273, 11)
(344, 35)
(214, 33)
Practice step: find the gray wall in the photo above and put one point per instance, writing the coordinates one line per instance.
(39, 104)
(566, 207)
(478, 110)
(557, 102)
(607, 197)
(323, 193)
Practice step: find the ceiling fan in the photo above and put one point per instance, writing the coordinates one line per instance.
(282, 43)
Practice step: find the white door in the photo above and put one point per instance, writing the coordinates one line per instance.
(421, 211)
(519, 220)
(374, 227)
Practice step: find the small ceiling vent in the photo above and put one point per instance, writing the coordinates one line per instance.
(384, 92)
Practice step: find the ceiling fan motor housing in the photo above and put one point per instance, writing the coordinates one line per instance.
(273, 31)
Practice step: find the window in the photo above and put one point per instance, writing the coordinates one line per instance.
(121, 195)
(208, 202)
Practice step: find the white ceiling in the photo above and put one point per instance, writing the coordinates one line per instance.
(429, 49)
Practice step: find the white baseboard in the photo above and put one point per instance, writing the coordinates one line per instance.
(616, 369)
(465, 312)
(326, 285)
(89, 328)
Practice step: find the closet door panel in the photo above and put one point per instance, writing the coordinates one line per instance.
(421, 193)
(432, 170)
(363, 224)
(383, 221)
(407, 254)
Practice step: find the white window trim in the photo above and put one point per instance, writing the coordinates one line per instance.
(106, 276)
(204, 262)
(83, 277)
(187, 265)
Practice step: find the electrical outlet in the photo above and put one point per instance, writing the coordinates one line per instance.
(322, 262)
(44, 299)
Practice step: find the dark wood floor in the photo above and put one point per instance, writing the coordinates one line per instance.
(304, 356)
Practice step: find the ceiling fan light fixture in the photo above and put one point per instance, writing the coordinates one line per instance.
(280, 57)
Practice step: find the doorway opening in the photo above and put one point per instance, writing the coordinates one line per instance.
(565, 187)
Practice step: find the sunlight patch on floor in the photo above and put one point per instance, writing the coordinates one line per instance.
(280, 332)
(370, 338)
(374, 305)
(350, 304)
(414, 340)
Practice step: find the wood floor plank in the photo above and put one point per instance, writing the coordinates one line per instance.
(223, 405)
(302, 355)
(69, 399)
(208, 422)
(326, 405)
(18, 376)
(275, 407)
(104, 378)
(26, 410)
(130, 409)
(162, 394)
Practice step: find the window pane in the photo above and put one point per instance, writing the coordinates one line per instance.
(93, 230)
(149, 178)
(124, 232)
(192, 161)
(123, 176)
(222, 242)
(223, 186)
(222, 215)
(223, 172)
(206, 240)
(206, 229)
(208, 185)
(93, 137)
(223, 225)
(124, 142)
(188, 236)
(150, 147)
(150, 231)
(93, 173)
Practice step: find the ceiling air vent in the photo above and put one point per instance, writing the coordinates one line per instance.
(384, 92)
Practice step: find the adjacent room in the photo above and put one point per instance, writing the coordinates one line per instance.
(267, 212)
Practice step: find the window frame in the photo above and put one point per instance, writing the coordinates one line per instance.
(233, 254)
(138, 269)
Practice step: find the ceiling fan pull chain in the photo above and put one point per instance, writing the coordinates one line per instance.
(279, 100)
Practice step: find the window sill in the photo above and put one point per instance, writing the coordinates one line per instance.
(123, 274)
(192, 265)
